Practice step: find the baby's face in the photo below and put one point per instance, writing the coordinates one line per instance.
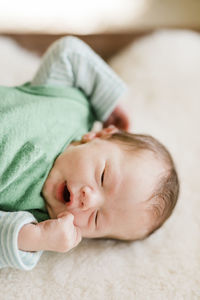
(108, 188)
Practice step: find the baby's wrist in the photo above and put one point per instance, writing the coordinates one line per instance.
(30, 238)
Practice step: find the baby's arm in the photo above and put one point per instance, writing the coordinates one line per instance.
(58, 235)
(21, 236)
(71, 62)
(10, 255)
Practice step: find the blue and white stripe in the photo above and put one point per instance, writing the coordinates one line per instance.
(10, 255)
(71, 62)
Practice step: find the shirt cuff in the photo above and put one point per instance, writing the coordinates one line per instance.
(109, 101)
(11, 255)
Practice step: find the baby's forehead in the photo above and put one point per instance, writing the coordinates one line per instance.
(134, 222)
(141, 174)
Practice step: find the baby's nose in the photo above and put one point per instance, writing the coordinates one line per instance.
(88, 198)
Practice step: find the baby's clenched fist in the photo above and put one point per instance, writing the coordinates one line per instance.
(60, 234)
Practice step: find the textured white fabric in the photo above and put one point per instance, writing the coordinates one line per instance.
(163, 72)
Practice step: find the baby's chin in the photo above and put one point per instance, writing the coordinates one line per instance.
(51, 212)
(75, 143)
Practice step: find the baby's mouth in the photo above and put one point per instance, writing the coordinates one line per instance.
(66, 194)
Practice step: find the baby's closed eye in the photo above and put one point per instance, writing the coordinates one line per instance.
(96, 218)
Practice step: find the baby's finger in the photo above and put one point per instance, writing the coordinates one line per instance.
(65, 214)
(78, 236)
(88, 136)
(107, 131)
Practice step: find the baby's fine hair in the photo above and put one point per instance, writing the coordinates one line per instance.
(165, 195)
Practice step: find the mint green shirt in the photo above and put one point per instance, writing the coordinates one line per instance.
(72, 88)
(37, 123)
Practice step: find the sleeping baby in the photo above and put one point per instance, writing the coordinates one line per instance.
(59, 180)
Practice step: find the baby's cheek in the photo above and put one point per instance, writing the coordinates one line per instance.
(80, 219)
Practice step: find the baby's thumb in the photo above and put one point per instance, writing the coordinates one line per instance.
(64, 214)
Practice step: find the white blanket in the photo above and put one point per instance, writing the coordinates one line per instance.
(163, 71)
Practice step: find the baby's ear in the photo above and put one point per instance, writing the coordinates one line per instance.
(103, 133)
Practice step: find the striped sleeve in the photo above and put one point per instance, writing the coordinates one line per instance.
(71, 62)
(10, 255)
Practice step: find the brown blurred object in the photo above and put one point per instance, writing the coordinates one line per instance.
(105, 45)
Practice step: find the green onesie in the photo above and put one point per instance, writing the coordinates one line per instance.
(37, 123)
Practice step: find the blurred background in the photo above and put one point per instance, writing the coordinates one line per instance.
(107, 25)
(162, 69)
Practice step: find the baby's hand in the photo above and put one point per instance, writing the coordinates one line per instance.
(60, 234)
(118, 118)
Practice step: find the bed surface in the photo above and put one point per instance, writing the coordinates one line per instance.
(162, 70)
